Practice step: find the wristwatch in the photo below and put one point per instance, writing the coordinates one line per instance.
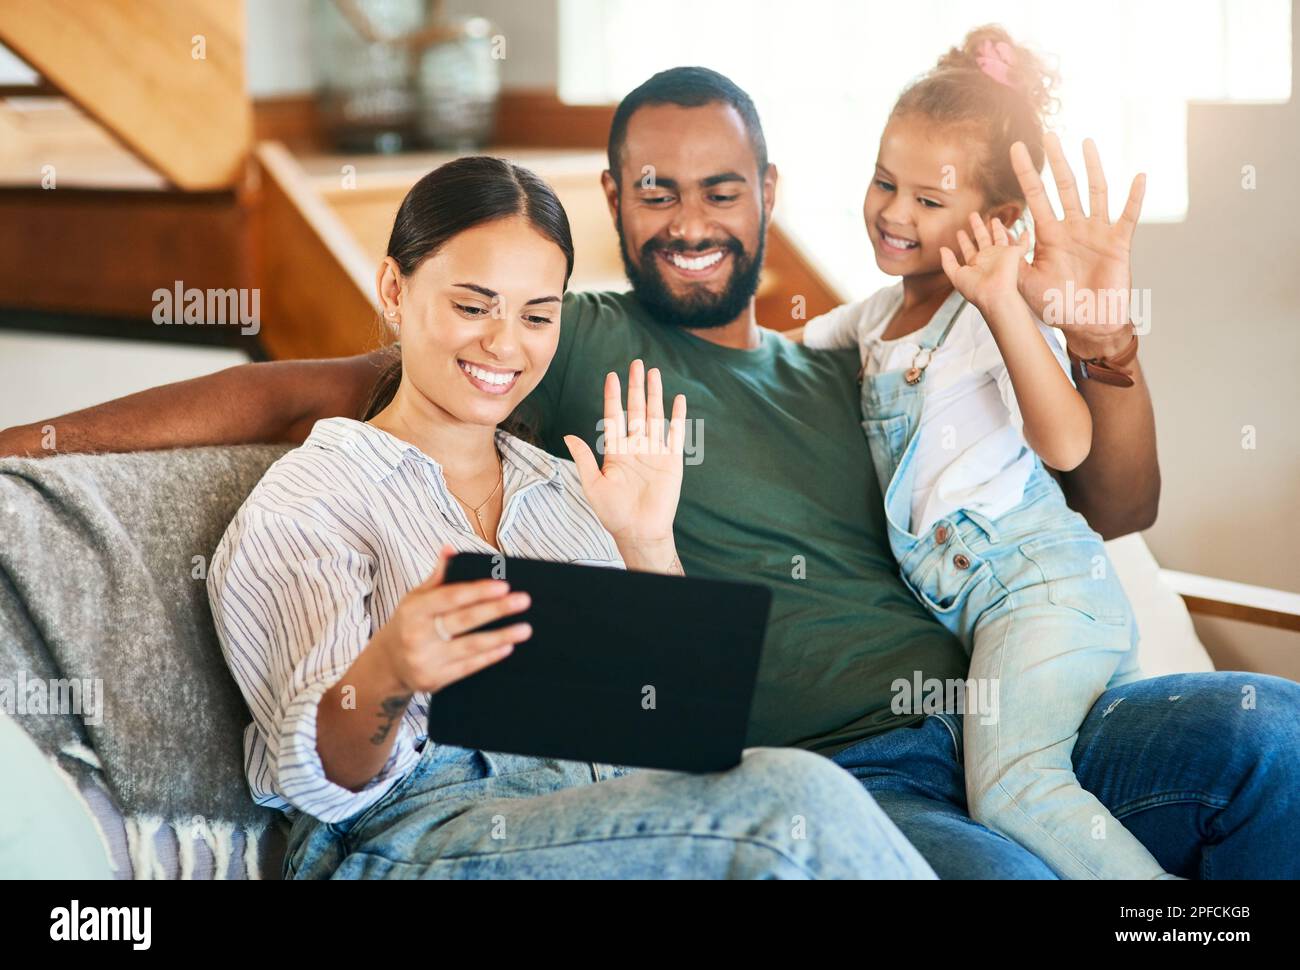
(1112, 370)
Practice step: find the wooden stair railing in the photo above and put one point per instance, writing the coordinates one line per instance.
(164, 77)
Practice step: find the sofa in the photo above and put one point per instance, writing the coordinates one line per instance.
(102, 582)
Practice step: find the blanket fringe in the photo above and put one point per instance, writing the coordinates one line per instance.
(252, 849)
(219, 836)
(142, 846)
(75, 749)
(203, 831)
(186, 832)
(224, 836)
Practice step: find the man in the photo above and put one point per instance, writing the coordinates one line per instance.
(784, 493)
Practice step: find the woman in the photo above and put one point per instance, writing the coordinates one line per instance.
(328, 594)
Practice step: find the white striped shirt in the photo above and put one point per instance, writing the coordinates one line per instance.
(315, 562)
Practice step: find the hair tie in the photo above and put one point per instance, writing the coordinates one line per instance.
(996, 60)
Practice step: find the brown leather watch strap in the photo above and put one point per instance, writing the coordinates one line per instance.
(1112, 370)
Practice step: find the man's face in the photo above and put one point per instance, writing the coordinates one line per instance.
(692, 213)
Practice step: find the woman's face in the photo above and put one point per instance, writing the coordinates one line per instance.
(480, 319)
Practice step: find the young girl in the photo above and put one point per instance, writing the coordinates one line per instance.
(966, 397)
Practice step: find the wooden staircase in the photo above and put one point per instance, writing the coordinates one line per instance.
(165, 77)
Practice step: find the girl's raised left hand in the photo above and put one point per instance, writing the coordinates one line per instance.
(989, 273)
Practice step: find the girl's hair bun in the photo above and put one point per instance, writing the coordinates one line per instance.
(996, 89)
(991, 51)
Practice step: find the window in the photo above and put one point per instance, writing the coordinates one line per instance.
(825, 73)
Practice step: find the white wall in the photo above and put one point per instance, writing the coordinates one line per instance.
(13, 70)
(1223, 354)
(43, 375)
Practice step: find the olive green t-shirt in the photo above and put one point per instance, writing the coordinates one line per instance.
(778, 489)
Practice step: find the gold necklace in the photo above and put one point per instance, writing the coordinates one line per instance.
(478, 512)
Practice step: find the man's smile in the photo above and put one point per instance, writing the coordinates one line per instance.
(694, 266)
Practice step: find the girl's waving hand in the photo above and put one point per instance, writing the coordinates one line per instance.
(990, 266)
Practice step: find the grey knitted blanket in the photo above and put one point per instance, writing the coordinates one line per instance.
(108, 656)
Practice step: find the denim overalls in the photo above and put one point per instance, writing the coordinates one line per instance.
(1035, 600)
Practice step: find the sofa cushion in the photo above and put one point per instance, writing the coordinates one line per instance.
(45, 829)
(1168, 643)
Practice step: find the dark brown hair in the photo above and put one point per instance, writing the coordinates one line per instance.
(451, 199)
(686, 87)
(958, 91)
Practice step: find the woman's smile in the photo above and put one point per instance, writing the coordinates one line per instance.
(489, 380)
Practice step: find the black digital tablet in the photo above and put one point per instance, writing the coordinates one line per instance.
(624, 668)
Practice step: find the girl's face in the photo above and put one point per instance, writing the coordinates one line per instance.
(924, 189)
(480, 319)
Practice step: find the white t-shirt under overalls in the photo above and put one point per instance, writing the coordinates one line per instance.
(971, 453)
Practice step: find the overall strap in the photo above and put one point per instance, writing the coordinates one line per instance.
(933, 334)
(936, 331)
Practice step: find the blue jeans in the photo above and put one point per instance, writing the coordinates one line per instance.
(466, 814)
(1034, 598)
(1204, 769)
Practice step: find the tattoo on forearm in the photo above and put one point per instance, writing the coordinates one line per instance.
(675, 568)
(391, 710)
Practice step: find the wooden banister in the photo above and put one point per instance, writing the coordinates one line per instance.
(166, 77)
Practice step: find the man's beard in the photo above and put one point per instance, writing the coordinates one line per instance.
(702, 309)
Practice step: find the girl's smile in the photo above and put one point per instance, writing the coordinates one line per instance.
(923, 189)
(897, 242)
(892, 247)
